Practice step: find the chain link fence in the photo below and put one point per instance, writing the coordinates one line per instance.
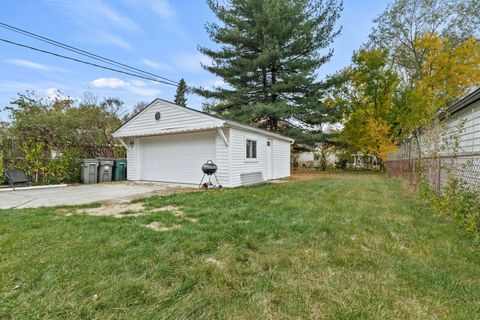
(439, 170)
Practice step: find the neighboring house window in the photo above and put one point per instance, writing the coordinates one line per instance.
(251, 152)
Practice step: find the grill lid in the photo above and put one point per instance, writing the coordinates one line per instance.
(209, 167)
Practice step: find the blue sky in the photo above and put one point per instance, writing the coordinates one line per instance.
(159, 36)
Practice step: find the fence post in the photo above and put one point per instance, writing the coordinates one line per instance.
(414, 176)
(439, 175)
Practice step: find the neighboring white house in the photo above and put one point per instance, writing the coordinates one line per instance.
(462, 120)
(320, 151)
(170, 143)
(451, 147)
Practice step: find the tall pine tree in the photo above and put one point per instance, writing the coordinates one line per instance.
(180, 95)
(269, 54)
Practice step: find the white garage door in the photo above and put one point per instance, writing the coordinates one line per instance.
(176, 158)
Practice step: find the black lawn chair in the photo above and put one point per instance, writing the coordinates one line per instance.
(17, 177)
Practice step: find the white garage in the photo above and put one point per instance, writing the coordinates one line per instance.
(190, 150)
(169, 143)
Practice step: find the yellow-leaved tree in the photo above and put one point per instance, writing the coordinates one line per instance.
(448, 73)
(369, 94)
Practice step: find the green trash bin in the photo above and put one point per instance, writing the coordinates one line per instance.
(119, 170)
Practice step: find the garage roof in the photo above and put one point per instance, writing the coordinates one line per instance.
(199, 121)
(462, 103)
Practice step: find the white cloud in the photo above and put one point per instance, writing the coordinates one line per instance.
(51, 92)
(97, 20)
(211, 83)
(93, 12)
(31, 65)
(191, 62)
(156, 65)
(112, 39)
(218, 83)
(137, 87)
(145, 92)
(109, 83)
(162, 8)
(138, 83)
(27, 64)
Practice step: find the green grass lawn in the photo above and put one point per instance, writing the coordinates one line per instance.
(338, 246)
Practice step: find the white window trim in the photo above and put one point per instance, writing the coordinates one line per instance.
(256, 151)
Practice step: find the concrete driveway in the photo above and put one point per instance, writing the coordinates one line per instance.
(83, 194)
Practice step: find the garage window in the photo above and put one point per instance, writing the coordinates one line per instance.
(251, 151)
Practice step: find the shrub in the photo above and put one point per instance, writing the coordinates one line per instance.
(457, 201)
(64, 169)
(2, 172)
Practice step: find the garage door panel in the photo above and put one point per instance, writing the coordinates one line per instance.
(176, 158)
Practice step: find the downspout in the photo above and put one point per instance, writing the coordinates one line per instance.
(123, 143)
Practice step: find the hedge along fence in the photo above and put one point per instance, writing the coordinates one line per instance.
(2, 171)
(34, 158)
(449, 183)
(437, 171)
(62, 169)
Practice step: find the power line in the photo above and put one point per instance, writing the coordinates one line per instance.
(84, 53)
(86, 62)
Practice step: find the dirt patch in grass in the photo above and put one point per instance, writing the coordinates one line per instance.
(116, 210)
(129, 209)
(160, 227)
(310, 175)
(174, 190)
(176, 212)
(279, 181)
(215, 262)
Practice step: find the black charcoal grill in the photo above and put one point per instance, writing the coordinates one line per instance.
(209, 168)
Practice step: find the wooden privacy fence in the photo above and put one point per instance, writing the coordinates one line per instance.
(439, 170)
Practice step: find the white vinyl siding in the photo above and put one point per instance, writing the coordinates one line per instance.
(190, 150)
(174, 148)
(281, 158)
(131, 159)
(222, 153)
(465, 126)
(239, 164)
(173, 118)
(175, 158)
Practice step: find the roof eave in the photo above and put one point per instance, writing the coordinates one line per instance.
(168, 132)
(462, 103)
(233, 124)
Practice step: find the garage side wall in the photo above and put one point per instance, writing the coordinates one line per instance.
(281, 158)
(222, 159)
(131, 159)
(240, 165)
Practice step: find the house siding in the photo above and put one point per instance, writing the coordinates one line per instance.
(131, 160)
(240, 165)
(173, 117)
(281, 158)
(181, 123)
(449, 150)
(222, 160)
(175, 158)
(464, 126)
